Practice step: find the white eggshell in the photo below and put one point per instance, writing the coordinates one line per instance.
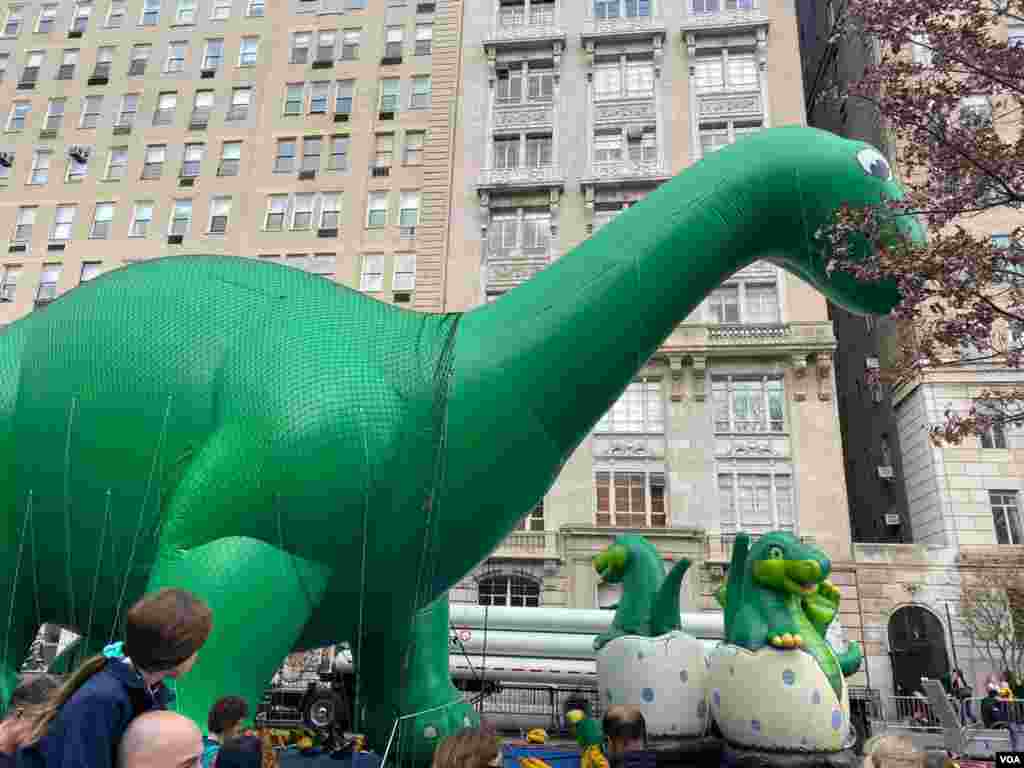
(776, 699)
(664, 676)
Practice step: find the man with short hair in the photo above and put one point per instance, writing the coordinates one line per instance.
(161, 739)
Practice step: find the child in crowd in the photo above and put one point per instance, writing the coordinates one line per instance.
(469, 748)
(33, 691)
(246, 751)
(82, 724)
(223, 723)
(893, 752)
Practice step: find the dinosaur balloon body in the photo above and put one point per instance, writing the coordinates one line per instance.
(320, 466)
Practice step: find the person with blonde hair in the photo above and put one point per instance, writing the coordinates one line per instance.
(893, 752)
(82, 725)
(469, 748)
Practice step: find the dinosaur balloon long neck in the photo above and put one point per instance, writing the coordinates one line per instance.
(537, 369)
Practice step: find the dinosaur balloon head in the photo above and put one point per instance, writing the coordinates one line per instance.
(782, 562)
(825, 172)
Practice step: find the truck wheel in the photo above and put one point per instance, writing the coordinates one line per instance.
(322, 710)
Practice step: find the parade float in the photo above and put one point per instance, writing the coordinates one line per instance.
(188, 421)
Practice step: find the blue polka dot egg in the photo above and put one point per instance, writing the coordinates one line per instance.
(776, 700)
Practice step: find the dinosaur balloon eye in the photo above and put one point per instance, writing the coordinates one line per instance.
(874, 164)
(775, 553)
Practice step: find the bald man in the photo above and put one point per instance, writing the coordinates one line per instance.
(161, 739)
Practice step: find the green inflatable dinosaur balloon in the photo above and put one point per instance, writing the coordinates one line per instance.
(649, 606)
(320, 466)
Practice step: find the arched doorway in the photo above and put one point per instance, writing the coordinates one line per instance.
(917, 648)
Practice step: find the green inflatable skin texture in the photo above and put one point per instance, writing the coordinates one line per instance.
(320, 466)
(777, 594)
(649, 606)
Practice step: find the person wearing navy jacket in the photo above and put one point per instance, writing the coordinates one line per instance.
(82, 726)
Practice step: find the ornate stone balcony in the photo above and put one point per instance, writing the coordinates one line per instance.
(767, 339)
(523, 116)
(545, 176)
(622, 29)
(730, 105)
(544, 545)
(506, 271)
(623, 171)
(511, 35)
(725, 20)
(616, 111)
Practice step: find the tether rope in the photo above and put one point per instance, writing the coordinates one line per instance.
(67, 508)
(142, 513)
(96, 577)
(357, 715)
(14, 590)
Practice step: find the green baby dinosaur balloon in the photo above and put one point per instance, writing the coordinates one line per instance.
(649, 606)
(320, 466)
(777, 593)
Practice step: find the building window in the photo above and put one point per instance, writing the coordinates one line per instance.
(389, 88)
(509, 234)
(371, 277)
(424, 39)
(90, 271)
(920, 50)
(202, 106)
(47, 18)
(713, 6)
(68, 63)
(248, 51)
(185, 12)
(748, 405)
(302, 211)
(80, 17)
(24, 223)
(384, 146)
(537, 84)
(277, 209)
(623, 78)
(630, 499)
(241, 99)
(615, 9)
(14, 20)
(404, 277)
(5, 170)
(40, 166)
(350, 44)
(181, 218)
(176, 56)
(414, 147)
(377, 209)
(116, 13)
(301, 42)
(91, 108)
(284, 162)
(128, 110)
(153, 166)
(102, 220)
(409, 211)
(33, 63)
(393, 43)
(166, 104)
(638, 410)
(54, 114)
(48, 281)
(744, 301)
(230, 158)
(78, 169)
(343, 97)
(9, 283)
(142, 215)
(139, 58)
(714, 136)
(293, 97)
(18, 115)
(512, 591)
(726, 71)
(755, 503)
(150, 13)
(323, 264)
(1006, 516)
(256, 8)
(220, 210)
(63, 222)
(513, 13)
(213, 54)
(325, 42)
(117, 163)
(420, 98)
(330, 210)
(339, 154)
(534, 520)
(538, 151)
(193, 160)
(220, 10)
(975, 112)
(311, 149)
(319, 94)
